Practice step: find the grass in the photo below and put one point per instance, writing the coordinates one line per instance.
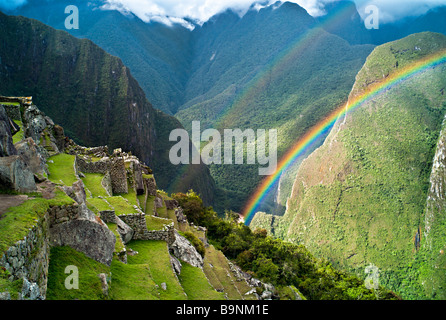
(150, 205)
(16, 222)
(121, 206)
(62, 169)
(142, 202)
(130, 196)
(360, 198)
(196, 285)
(93, 182)
(88, 270)
(99, 204)
(13, 287)
(119, 245)
(220, 278)
(154, 223)
(132, 282)
(155, 255)
(19, 135)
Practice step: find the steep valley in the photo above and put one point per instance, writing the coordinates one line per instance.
(360, 198)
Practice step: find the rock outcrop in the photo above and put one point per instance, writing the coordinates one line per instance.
(183, 250)
(15, 175)
(85, 233)
(6, 144)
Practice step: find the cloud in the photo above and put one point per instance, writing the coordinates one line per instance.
(11, 4)
(198, 10)
(202, 10)
(394, 10)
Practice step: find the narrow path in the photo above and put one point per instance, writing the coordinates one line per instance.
(7, 201)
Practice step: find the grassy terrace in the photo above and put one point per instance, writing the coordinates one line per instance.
(89, 282)
(19, 135)
(93, 182)
(61, 168)
(98, 204)
(155, 256)
(220, 278)
(155, 223)
(132, 282)
(196, 285)
(121, 206)
(17, 221)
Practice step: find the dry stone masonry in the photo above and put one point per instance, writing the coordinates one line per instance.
(76, 225)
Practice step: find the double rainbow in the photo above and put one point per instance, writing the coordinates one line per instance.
(327, 124)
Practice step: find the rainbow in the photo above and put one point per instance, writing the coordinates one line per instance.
(275, 67)
(327, 124)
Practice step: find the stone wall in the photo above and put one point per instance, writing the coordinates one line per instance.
(150, 186)
(138, 224)
(102, 166)
(13, 111)
(118, 176)
(114, 167)
(29, 258)
(77, 227)
(106, 184)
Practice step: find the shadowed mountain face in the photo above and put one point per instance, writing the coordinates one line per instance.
(92, 94)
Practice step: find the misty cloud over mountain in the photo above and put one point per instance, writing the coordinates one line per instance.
(174, 11)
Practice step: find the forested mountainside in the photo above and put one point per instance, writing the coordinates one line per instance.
(93, 95)
(361, 197)
(80, 223)
(273, 67)
(253, 71)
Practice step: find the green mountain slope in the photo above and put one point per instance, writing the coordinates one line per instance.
(268, 69)
(251, 75)
(157, 55)
(92, 94)
(360, 198)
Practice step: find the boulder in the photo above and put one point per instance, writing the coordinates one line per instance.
(124, 231)
(171, 204)
(180, 215)
(183, 250)
(176, 265)
(14, 174)
(81, 234)
(5, 296)
(6, 144)
(76, 192)
(35, 123)
(30, 291)
(104, 284)
(28, 151)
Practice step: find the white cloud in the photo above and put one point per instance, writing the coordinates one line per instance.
(199, 10)
(176, 11)
(202, 10)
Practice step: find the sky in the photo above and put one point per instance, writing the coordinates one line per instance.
(202, 10)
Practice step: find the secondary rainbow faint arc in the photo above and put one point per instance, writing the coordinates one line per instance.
(322, 127)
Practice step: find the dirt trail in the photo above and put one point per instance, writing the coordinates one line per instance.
(7, 201)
